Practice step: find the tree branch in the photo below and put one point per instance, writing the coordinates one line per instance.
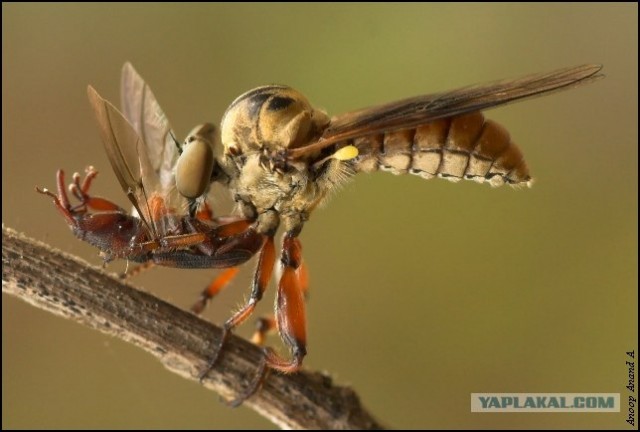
(67, 286)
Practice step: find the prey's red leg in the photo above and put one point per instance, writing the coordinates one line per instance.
(81, 192)
(136, 270)
(62, 203)
(204, 212)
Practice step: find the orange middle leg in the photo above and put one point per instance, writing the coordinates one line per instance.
(260, 282)
(220, 282)
(290, 309)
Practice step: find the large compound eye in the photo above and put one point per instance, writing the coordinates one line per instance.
(273, 117)
(195, 164)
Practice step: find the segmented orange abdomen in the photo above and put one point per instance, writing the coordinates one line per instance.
(464, 147)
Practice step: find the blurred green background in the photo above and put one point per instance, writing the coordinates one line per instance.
(422, 292)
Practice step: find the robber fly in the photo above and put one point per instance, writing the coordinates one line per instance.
(280, 158)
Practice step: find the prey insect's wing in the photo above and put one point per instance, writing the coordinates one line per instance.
(141, 108)
(124, 148)
(412, 112)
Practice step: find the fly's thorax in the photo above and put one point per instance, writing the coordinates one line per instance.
(272, 118)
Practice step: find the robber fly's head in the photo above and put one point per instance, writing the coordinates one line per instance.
(273, 117)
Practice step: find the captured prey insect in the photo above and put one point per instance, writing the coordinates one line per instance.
(280, 158)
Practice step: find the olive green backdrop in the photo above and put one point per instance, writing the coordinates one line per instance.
(422, 291)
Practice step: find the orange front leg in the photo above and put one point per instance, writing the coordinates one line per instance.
(290, 309)
(290, 318)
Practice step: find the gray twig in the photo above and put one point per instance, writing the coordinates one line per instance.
(67, 286)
